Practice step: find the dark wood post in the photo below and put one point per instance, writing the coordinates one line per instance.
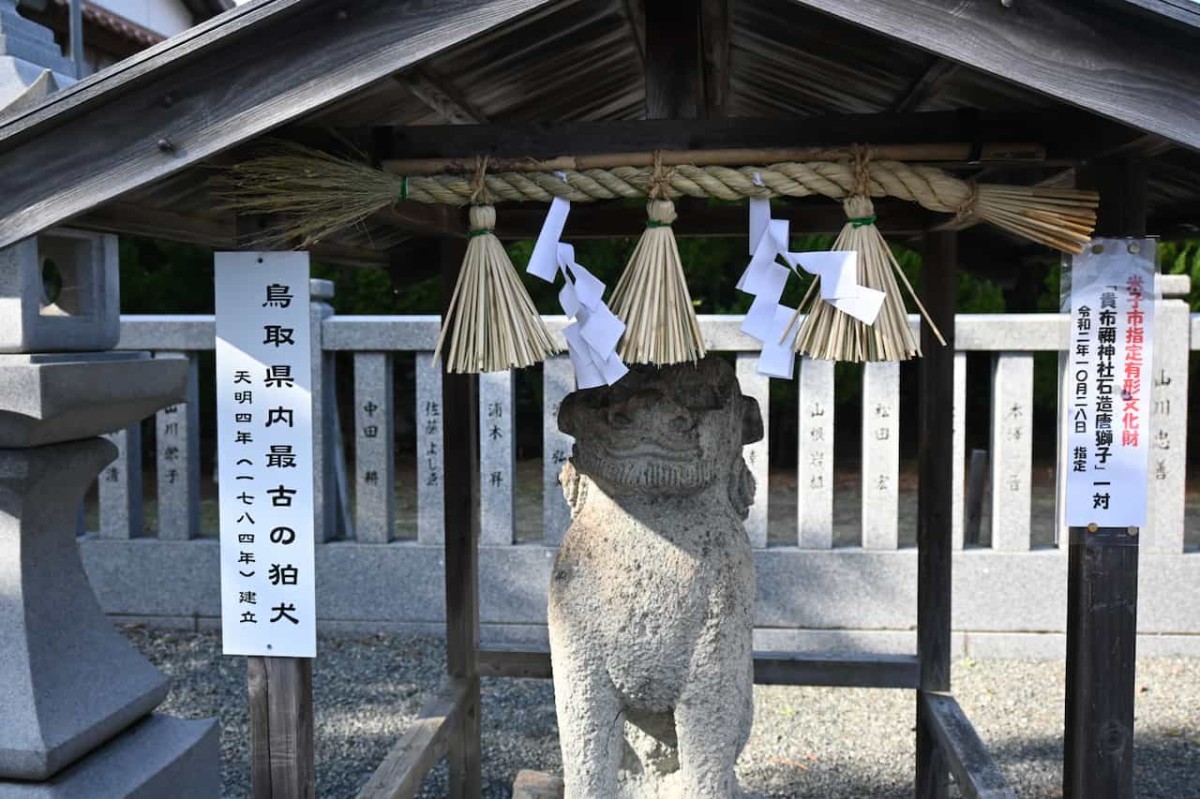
(460, 475)
(1102, 575)
(934, 500)
(674, 71)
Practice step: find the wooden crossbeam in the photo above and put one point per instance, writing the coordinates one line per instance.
(1067, 135)
(442, 98)
(974, 771)
(926, 86)
(772, 668)
(1075, 52)
(423, 744)
(244, 73)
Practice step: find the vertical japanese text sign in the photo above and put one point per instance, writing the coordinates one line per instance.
(1107, 403)
(265, 454)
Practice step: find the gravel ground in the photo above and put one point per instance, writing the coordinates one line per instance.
(808, 743)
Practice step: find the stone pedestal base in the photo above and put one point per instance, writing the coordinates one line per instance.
(68, 680)
(530, 785)
(159, 758)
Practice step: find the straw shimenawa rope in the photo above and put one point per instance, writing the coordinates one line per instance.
(319, 194)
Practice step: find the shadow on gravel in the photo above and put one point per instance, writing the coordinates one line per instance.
(1166, 765)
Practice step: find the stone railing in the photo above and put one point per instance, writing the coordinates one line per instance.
(819, 584)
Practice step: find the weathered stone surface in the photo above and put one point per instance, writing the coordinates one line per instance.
(497, 458)
(558, 379)
(536, 785)
(814, 464)
(68, 680)
(159, 757)
(652, 593)
(1012, 450)
(881, 455)
(47, 399)
(374, 448)
(85, 314)
(431, 494)
(120, 487)
(177, 441)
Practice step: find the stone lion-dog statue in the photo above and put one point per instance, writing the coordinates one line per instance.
(652, 593)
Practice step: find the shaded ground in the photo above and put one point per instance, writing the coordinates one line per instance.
(808, 743)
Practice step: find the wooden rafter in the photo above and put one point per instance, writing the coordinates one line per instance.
(926, 86)
(715, 39)
(635, 12)
(1074, 52)
(441, 97)
(247, 72)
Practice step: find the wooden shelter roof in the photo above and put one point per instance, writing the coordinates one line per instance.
(131, 148)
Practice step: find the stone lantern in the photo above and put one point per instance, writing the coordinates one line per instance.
(77, 699)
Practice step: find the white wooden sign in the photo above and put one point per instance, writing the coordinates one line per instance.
(265, 454)
(1107, 404)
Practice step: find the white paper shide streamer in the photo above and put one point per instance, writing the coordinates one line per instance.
(765, 278)
(593, 335)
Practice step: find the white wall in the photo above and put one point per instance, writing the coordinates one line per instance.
(167, 17)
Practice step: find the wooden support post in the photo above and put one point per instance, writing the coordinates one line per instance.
(935, 503)
(460, 416)
(282, 753)
(279, 691)
(1102, 578)
(674, 71)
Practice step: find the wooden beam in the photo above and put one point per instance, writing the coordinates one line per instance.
(771, 668)
(974, 771)
(973, 153)
(935, 456)
(674, 75)
(1067, 135)
(423, 744)
(445, 100)
(246, 73)
(460, 480)
(715, 38)
(1075, 52)
(926, 86)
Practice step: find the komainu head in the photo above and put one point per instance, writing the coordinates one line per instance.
(673, 430)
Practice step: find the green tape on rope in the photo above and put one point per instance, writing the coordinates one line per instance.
(652, 223)
(861, 221)
(403, 188)
(483, 231)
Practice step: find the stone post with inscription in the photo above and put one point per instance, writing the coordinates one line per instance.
(76, 698)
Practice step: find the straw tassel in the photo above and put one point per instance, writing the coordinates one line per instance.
(492, 324)
(829, 334)
(652, 297)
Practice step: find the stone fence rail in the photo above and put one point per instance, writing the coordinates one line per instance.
(1010, 596)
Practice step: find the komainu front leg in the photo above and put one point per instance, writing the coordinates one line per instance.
(713, 718)
(591, 725)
